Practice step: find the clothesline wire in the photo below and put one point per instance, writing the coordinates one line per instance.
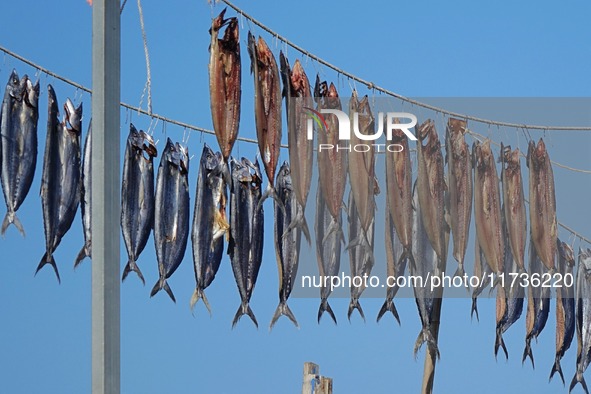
(372, 86)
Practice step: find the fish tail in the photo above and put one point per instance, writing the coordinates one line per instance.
(578, 378)
(557, 368)
(9, 219)
(388, 306)
(81, 256)
(300, 222)
(197, 295)
(460, 272)
(270, 192)
(132, 266)
(407, 254)
(426, 336)
(334, 227)
(325, 306)
(48, 259)
(162, 284)
(528, 353)
(354, 304)
(244, 309)
(474, 308)
(283, 309)
(499, 342)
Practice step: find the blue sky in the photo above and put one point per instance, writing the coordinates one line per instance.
(421, 49)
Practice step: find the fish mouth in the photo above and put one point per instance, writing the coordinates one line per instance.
(211, 160)
(148, 145)
(73, 116)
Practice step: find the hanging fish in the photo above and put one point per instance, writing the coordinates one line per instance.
(85, 198)
(137, 196)
(332, 157)
(287, 242)
(18, 132)
(459, 163)
(298, 100)
(538, 303)
(509, 298)
(487, 206)
(171, 213)
(328, 251)
(209, 222)
(426, 266)
(60, 181)
(224, 81)
(542, 200)
(565, 307)
(431, 187)
(514, 204)
(583, 290)
(267, 108)
(482, 272)
(246, 231)
(395, 265)
(399, 194)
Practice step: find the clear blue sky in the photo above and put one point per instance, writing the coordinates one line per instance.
(421, 48)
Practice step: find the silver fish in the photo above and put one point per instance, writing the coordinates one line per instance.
(209, 222)
(85, 198)
(60, 181)
(328, 250)
(287, 241)
(565, 307)
(426, 266)
(396, 262)
(137, 196)
(19, 145)
(583, 311)
(538, 303)
(171, 213)
(246, 231)
(481, 271)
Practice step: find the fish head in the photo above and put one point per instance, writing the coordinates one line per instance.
(284, 177)
(264, 54)
(73, 116)
(477, 154)
(217, 23)
(426, 130)
(255, 173)
(511, 159)
(51, 98)
(240, 172)
(585, 262)
(32, 93)
(183, 158)
(299, 80)
(232, 35)
(176, 155)
(14, 87)
(320, 89)
(148, 145)
(210, 160)
(566, 252)
(252, 51)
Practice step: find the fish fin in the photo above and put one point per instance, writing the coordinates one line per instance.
(162, 284)
(557, 368)
(49, 260)
(500, 342)
(460, 272)
(334, 226)
(426, 336)
(325, 306)
(132, 266)
(244, 309)
(354, 304)
(474, 309)
(577, 379)
(407, 254)
(9, 219)
(197, 295)
(81, 256)
(283, 310)
(388, 306)
(528, 353)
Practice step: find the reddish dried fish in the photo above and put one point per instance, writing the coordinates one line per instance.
(542, 200)
(267, 108)
(431, 187)
(298, 97)
(514, 203)
(460, 188)
(487, 206)
(224, 82)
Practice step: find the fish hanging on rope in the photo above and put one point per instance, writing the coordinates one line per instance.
(85, 200)
(542, 203)
(137, 196)
(565, 307)
(482, 272)
(224, 81)
(171, 213)
(583, 319)
(298, 100)
(267, 108)
(60, 180)
(18, 135)
(209, 223)
(459, 163)
(287, 242)
(246, 231)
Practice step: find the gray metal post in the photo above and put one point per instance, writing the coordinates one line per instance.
(105, 205)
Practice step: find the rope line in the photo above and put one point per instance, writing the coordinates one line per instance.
(372, 86)
(148, 85)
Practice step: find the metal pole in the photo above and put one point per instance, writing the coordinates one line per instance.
(105, 205)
